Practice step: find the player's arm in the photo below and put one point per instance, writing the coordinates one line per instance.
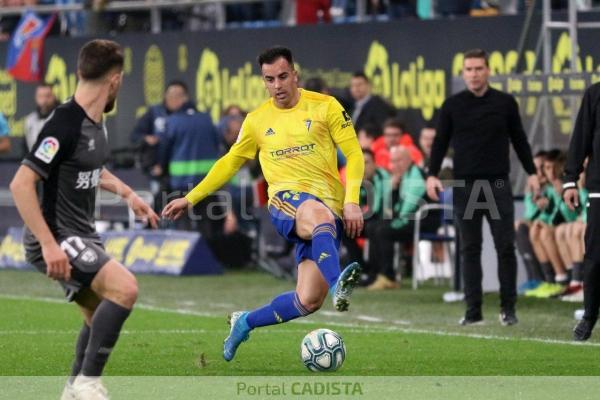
(111, 183)
(521, 145)
(54, 144)
(23, 188)
(440, 145)
(344, 136)
(221, 172)
(580, 146)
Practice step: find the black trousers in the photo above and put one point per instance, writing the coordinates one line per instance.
(591, 281)
(382, 237)
(493, 200)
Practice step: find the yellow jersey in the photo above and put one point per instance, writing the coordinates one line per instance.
(297, 146)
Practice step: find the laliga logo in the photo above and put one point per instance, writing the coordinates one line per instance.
(208, 84)
(47, 149)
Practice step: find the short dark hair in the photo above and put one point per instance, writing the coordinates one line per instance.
(98, 57)
(361, 74)
(541, 153)
(368, 152)
(554, 155)
(371, 130)
(315, 84)
(394, 123)
(477, 53)
(270, 55)
(44, 85)
(180, 83)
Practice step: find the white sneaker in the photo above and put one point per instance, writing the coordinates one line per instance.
(576, 297)
(68, 392)
(89, 388)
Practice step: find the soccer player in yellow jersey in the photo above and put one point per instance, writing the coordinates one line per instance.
(295, 134)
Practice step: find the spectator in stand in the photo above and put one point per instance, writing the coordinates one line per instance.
(374, 196)
(394, 135)
(368, 109)
(188, 148)
(367, 136)
(426, 137)
(408, 194)
(146, 135)
(232, 110)
(45, 103)
(532, 212)
(312, 11)
(4, 131)
(543, 236)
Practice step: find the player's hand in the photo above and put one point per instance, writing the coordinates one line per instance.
(533, 184)
(57, 262)
(231, 223)
(176, 208)
(542, 203)
(142, 210)
(434, 187)
(571, 198)
(353, 220)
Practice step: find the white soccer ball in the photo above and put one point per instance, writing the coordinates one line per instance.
(323, 350)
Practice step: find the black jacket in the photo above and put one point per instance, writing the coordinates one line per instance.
(480, 129)
(374, 112)
(585, 142)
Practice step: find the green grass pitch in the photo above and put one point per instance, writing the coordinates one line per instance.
(179, 326)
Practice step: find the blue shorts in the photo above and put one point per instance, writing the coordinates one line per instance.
(282, 209)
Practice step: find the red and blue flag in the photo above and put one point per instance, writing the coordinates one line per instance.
(24, 61)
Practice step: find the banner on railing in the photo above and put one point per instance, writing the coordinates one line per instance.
(144, 252)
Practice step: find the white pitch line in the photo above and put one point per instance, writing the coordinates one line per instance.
(123, 332)
(393, 327)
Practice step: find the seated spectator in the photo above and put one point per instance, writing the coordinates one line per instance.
(374, 199)
(408, 194)
(367, 136)
(531, 213)
(394, 135)
(426, 137)
(543, 236)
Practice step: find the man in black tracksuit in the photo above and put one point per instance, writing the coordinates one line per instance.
(481, 122)
(585, 143)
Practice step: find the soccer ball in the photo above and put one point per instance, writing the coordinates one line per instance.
(323, 350)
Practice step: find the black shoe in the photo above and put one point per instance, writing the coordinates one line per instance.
(471, 320)
(508, 318)
(583, 330)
